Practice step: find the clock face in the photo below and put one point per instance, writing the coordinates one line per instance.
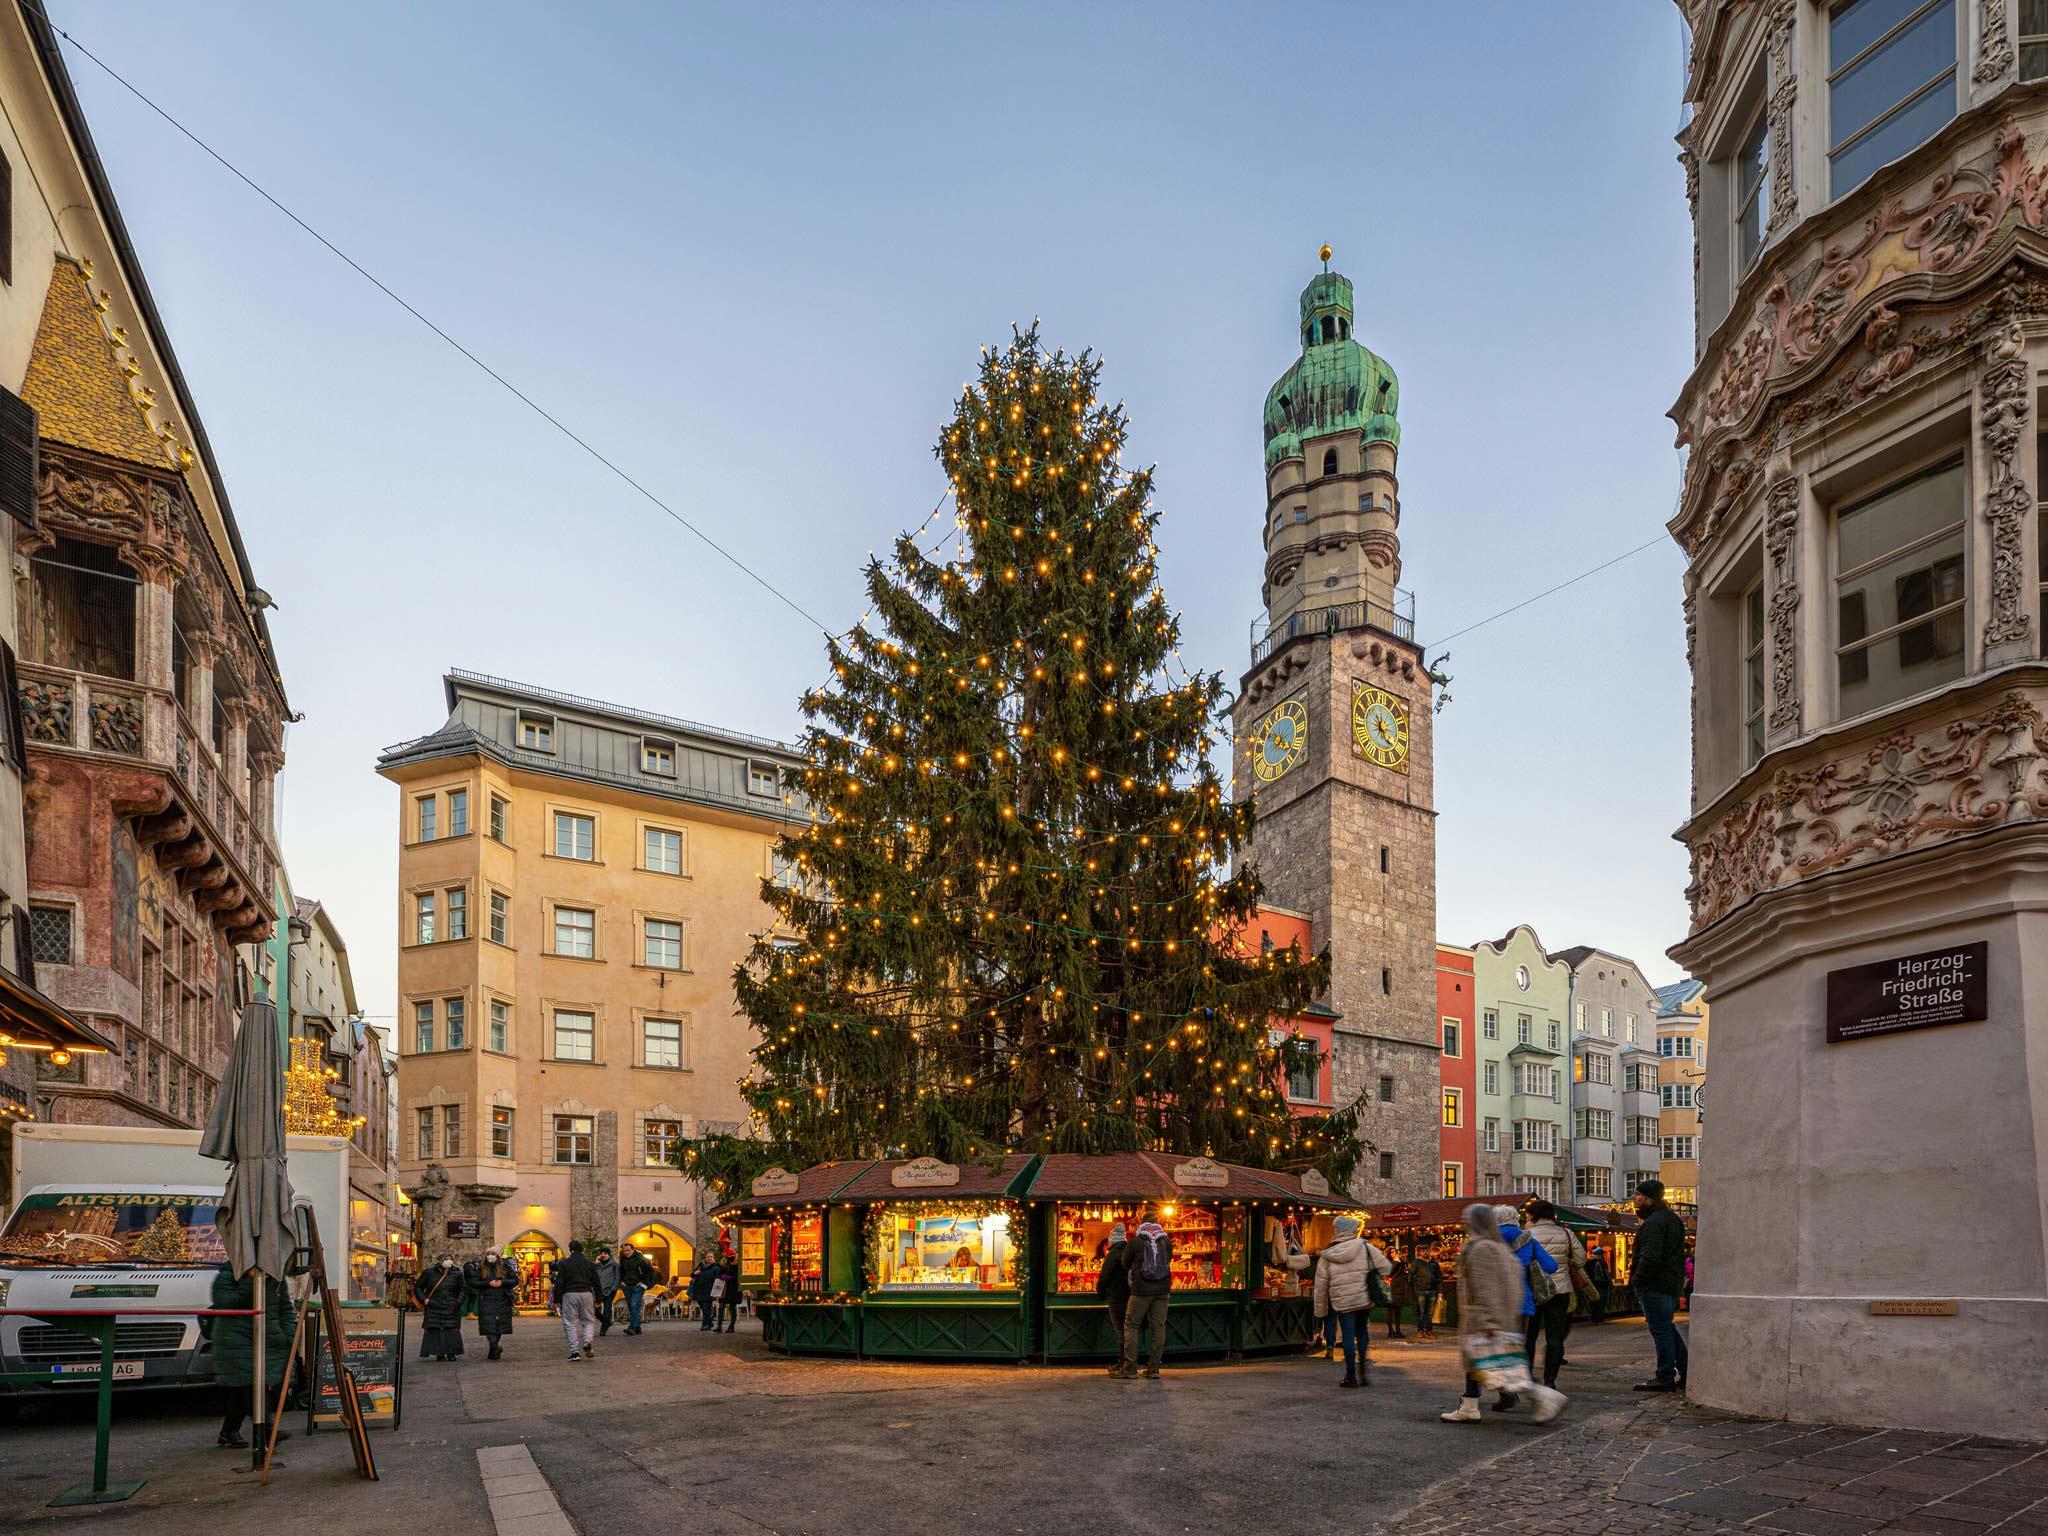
(1280, 741)
(1379, 727)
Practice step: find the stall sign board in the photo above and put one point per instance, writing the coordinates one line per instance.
(1401, 1213)
(775, 1181)
(373, 1340)
(1889, 997)
(1313, 1183)
(467, 1226)
(1929, 1308)
(1201, 1173)
(924, 1173)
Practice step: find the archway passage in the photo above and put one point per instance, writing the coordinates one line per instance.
(534, 1253)
(666, 1249)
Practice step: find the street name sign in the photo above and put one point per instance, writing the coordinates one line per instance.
(1889, 997)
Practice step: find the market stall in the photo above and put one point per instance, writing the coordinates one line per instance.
(800, 1258)
(920, 1259)
(946, 1258)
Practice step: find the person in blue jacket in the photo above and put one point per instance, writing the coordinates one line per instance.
(1527, 1251)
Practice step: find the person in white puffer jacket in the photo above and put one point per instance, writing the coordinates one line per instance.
(1344, 1290)
(1553, 1319)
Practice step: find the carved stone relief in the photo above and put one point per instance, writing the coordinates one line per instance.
(1994, 43)
(2004, 397)
(1781, 527)
(1907, 789)
(1784, 96)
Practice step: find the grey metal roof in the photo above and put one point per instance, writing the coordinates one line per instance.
(600, 743)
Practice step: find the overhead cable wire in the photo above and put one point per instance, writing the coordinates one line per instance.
(384, 288)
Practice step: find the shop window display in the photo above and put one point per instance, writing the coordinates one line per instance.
(943, 1250)
(1208, 1244)
(805, 1270)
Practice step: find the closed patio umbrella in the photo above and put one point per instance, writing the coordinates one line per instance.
(246, 1131)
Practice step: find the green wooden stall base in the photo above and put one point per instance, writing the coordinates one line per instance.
(934, 1328)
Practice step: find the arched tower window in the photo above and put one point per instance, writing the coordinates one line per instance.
(1329, 327)
(1329, 461)
(1343, 329)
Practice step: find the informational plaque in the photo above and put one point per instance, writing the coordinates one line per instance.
(466, 1226)
(1889, 997)
(372, 1339)
(1201, 1173)
(1930, 1308)
(1313, 1183)
(924, 1173)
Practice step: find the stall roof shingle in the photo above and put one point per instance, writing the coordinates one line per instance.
(818, 1182)
(1149, 1176)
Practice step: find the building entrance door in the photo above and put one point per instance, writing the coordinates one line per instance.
(534, 1252)
(669, 1252)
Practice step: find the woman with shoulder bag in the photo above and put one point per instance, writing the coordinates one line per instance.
(1551, 1292)
(1350, 1282)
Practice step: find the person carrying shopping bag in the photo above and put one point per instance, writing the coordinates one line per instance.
(1492, 1292)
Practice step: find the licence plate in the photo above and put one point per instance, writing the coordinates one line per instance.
(124, 1370)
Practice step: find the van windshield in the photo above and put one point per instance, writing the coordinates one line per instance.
(100, 1227)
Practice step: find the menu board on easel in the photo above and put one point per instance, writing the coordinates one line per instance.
(373, 1341)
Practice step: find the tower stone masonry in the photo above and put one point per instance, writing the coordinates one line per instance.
(1333, 742)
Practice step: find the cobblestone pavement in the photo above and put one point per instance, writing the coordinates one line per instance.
(1666, 1470)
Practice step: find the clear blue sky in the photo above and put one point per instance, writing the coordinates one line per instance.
(750, 255)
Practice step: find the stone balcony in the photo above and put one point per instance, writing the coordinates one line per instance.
(196, 826)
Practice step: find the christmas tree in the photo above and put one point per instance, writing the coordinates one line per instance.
(1014, 915)
(164, 1242)
(309, 1108)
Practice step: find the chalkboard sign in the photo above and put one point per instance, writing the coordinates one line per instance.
(373, 1338)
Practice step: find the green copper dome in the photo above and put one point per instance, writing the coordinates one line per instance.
(1337, 386)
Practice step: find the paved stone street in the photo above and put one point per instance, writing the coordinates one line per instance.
(712, 1434)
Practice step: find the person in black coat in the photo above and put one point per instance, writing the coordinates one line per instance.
(1113, 1285)
(700, 1291)
(441, 1295)
(493, 1285)
(729, 1295)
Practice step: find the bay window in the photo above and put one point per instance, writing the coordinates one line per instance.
(1891, 83)
(1900, 589)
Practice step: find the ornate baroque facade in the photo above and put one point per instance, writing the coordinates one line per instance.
(150, 700)
(1864, 602)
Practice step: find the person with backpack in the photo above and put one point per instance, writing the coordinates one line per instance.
(1148, 1262)
(1113, 1285)
(1350, 1282)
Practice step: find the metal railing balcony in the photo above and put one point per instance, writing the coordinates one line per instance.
(1335, 619)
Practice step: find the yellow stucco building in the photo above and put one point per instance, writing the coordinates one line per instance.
(576, 882)
(1682, 1086)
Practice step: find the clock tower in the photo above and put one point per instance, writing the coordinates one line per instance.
(1332, 738)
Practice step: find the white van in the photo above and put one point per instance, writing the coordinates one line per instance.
(88, 1247)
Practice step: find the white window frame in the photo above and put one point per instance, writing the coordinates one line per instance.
(536, 732)
(658, 757)
(647, 1041)
(574, 1133)
(574, 929)
(1489, 1024)
(498, 1026)
(661, 960)
(577, 824)
(649, 834)
(506, 1128)
(588, 1030)
(764, 779)
(1755, 684)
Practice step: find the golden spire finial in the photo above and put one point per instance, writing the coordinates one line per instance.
(1326, 254)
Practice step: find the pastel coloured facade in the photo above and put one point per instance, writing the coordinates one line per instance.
(1615, 1127)
(1522, 998)
(1459, 1142)
(1682, 1019)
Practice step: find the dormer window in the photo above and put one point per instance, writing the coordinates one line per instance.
(1329, 461)
(763, 779)
(658, 756)
(536, 732)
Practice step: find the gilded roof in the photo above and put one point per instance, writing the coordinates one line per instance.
(80, 392)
